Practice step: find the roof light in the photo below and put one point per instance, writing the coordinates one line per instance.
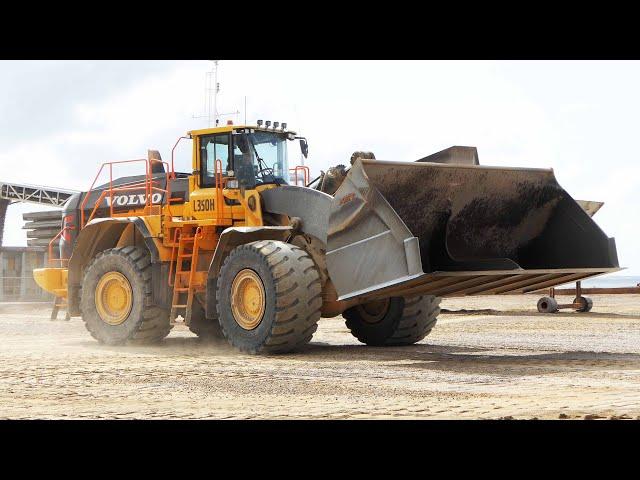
(229, 122)
(276, 125)
(259, 123)
(267, 123)
(284, 126)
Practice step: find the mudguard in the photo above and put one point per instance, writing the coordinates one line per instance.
(311, 206)
(98, 235)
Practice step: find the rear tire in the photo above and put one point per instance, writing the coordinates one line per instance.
(283, 283)
(145, 322)
(403, 321)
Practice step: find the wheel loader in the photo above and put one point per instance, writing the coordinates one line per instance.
(245, 248)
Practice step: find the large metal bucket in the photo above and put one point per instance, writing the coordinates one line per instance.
(398, 227)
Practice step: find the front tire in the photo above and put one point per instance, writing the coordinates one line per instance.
(269, 297)
(116, 299)
(394, 321)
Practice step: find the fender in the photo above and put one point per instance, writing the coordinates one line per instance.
(229, 239)
(311, 206)
(101, 234)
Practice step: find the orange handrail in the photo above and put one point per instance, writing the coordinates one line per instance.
(194, 264)
(167, 190)
(305, 174)
(148, 184)
(176, 238)
(173, 171)
(61, 260)
(219, 195)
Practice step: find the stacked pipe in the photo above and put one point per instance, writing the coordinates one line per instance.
(42, 227)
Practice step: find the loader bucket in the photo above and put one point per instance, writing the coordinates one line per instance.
(406, 228)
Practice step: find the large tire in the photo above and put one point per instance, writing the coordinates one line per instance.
(145, 323)
(291, 292)
(398, 321)
(204, 328)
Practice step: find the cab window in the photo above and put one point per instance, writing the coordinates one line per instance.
(212, 148)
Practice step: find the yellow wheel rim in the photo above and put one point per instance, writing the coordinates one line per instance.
(373, 312)
(114, 298)
(247, 299)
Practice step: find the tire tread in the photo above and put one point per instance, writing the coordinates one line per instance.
(295, 277)
(154, 323)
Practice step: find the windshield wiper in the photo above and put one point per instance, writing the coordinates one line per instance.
(261, 163)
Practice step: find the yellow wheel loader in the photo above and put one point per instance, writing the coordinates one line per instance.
(242, 250)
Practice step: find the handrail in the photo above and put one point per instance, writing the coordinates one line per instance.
(219, 196)
(148, 184)
(61, 260)
(173, 170)
(86, 198)
(198, 235)
(176, 239)
(167, 190)
(305, 174)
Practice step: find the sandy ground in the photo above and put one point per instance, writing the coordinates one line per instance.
(481, 364)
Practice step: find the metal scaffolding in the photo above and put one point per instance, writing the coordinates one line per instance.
(26, 193)
(22, 192)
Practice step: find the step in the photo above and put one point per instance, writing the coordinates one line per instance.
(179, 306)
(186, 289)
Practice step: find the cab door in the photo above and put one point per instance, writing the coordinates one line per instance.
(210, 148)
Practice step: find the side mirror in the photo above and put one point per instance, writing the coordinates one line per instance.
(304, 147)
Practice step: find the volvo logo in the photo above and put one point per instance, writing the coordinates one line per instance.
(132, 199)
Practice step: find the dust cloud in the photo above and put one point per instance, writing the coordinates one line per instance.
(489, 357)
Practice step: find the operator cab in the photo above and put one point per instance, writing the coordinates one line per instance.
(252, 155)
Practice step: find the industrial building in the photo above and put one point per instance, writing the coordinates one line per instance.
(16, 278)
(17, 263)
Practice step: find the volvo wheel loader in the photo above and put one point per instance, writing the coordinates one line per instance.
(242, 251)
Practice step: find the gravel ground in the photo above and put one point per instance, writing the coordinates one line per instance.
(497, 359)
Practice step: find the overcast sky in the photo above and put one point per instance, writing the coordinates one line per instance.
(61, 120)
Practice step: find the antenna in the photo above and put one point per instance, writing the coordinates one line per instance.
(215, 93)
(212, 88)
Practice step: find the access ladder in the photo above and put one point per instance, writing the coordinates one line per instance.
(185, 258)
